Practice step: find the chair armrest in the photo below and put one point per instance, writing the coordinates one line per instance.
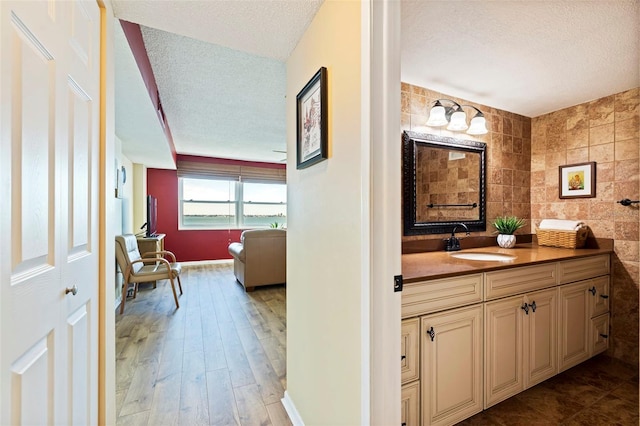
(149, 260)
(161, 253)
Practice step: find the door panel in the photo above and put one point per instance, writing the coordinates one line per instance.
(32, 140)
(80, 131)
(541, 339)
(504, 342)
(49, 88)
(78, 326)
(32, 375)
(451, 368)
(574, 320)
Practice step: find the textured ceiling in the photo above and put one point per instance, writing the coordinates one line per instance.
(220, 70)
(527, 57)
(220, 66)
(137, 125)
(220, 101)
(268, 28)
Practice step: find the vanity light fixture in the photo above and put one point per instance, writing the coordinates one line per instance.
(456, 119)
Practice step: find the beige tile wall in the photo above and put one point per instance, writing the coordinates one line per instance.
(606, 131)
(508, 153)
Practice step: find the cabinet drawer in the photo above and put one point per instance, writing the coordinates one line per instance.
(435, 295)
(519, 280)
(599, 334)
(581, 269)
(410, 350)
(410, 404)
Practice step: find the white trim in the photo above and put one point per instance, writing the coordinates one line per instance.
(386, 245)
(365, 212)
(291, 410)
(206, 262)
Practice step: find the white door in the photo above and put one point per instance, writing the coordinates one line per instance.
(49, 100)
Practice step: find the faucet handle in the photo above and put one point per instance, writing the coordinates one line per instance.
(451, 244)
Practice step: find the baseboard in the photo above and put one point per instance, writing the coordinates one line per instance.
(206, 262)
(290, 408)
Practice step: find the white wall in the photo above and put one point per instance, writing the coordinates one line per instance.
(324, 238)
(126, 194)
(139, 200)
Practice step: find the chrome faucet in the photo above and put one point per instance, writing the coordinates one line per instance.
(453, 243)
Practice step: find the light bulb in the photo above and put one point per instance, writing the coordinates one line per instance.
(478, 125)
(437, 117)
(458, 121)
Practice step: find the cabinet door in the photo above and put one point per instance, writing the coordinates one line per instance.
(541, 337)
(451, 377)
(410, 350)
(574, 324)
(503, 357)
(599, 292)
(410, 404)
(599, 334)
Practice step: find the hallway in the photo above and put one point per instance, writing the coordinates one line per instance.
(219, 360)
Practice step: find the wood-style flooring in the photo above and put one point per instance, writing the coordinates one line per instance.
(218, 360)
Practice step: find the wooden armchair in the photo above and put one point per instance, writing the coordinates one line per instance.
(150, 266)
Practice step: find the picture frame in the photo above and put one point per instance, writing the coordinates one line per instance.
(311, 119)
(577, 180)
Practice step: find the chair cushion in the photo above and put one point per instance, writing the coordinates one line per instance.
(237, 250)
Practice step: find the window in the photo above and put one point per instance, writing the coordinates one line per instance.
(223, 204)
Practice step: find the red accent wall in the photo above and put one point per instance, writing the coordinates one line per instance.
(190, 245)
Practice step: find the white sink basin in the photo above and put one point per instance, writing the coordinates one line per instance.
(491, 257)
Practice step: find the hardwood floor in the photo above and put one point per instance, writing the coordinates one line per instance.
(218, 360)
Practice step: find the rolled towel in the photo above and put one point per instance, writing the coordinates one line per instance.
(561, 224)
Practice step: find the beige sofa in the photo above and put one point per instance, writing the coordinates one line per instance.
(260, 258)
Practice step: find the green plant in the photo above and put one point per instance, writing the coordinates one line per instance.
(274, 225)
(508, 224)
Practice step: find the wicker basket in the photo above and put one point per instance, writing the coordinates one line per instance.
(564, 239)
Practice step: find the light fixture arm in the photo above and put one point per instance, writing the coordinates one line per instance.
(478, 114)
(448, 110)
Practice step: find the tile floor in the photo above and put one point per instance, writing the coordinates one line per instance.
(600, 391)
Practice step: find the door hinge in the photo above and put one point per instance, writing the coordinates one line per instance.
(397, 283)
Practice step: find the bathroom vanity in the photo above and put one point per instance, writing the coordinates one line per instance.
(480, 328)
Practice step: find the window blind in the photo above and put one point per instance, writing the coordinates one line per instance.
(196, 169)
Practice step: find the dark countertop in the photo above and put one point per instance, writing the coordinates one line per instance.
(440, 264)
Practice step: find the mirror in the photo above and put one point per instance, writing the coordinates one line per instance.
(443, 184)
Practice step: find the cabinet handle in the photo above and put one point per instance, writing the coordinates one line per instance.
(533, 306)
(525, 308)
(606, 336)
(431, 333)
(403, 424)
(593, 290)
(403, 357)
(604, 296)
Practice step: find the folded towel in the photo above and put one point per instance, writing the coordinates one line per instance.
(561, 224)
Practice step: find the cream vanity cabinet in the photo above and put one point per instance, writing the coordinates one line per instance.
(584, 309)
(410, 372)
(449, 351)
(521, 343)
(484, 337)
(520, 331)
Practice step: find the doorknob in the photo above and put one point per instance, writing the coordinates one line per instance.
(73, 290)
